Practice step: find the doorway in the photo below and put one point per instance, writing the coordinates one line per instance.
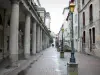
(90, 39)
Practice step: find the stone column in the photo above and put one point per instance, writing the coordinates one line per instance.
(13, 40)
(45, 41)
(27, 37)
(34, 38)
(48, 41)
(38, 39)
(41, 39)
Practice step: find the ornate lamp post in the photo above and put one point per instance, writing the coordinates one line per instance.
(72, 59)
(62, 51)
(72, 65)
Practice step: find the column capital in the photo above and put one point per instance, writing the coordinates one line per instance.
(15, 1)
(27, 13)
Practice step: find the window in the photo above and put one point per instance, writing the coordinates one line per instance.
(91, 13)
(84, 37)
(82, 2)
(83, 18)
(93, 30)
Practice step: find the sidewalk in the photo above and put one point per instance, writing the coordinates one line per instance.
(88, 65)
(51, 64)
(22, 64)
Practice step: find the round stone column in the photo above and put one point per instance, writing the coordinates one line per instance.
(14, 24)
(41, 39)
(27, 37)
(34, 38)
(38, 39)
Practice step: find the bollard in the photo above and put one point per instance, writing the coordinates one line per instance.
(72, 68)
(61, 54)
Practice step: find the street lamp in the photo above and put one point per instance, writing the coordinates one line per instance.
(62, 51)
(72, 65)
(72, 7)
(62, 38)
(72, 59)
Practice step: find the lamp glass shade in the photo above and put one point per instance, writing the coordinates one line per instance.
(62, 29)
(72, 9)
(72, 6)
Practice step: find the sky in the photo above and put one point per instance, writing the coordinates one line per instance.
(55, 7)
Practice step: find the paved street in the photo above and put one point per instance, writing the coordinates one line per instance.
(50, 64)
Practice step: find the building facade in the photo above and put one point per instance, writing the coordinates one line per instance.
(89, 14)
(42, 13)
(67, 27)
(22, 31)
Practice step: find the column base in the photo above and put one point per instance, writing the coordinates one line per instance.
(61, 54)
(27, 56)
(72, 68)
(33, 53)
(14, 60)
(72, 60)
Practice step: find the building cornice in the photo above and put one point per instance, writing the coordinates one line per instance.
(39, 2)
(31, 9)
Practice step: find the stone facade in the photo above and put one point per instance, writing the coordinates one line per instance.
(89, 14)
(67, 27)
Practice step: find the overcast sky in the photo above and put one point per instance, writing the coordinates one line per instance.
(55, 7)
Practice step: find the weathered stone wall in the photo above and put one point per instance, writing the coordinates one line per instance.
(95, 24)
